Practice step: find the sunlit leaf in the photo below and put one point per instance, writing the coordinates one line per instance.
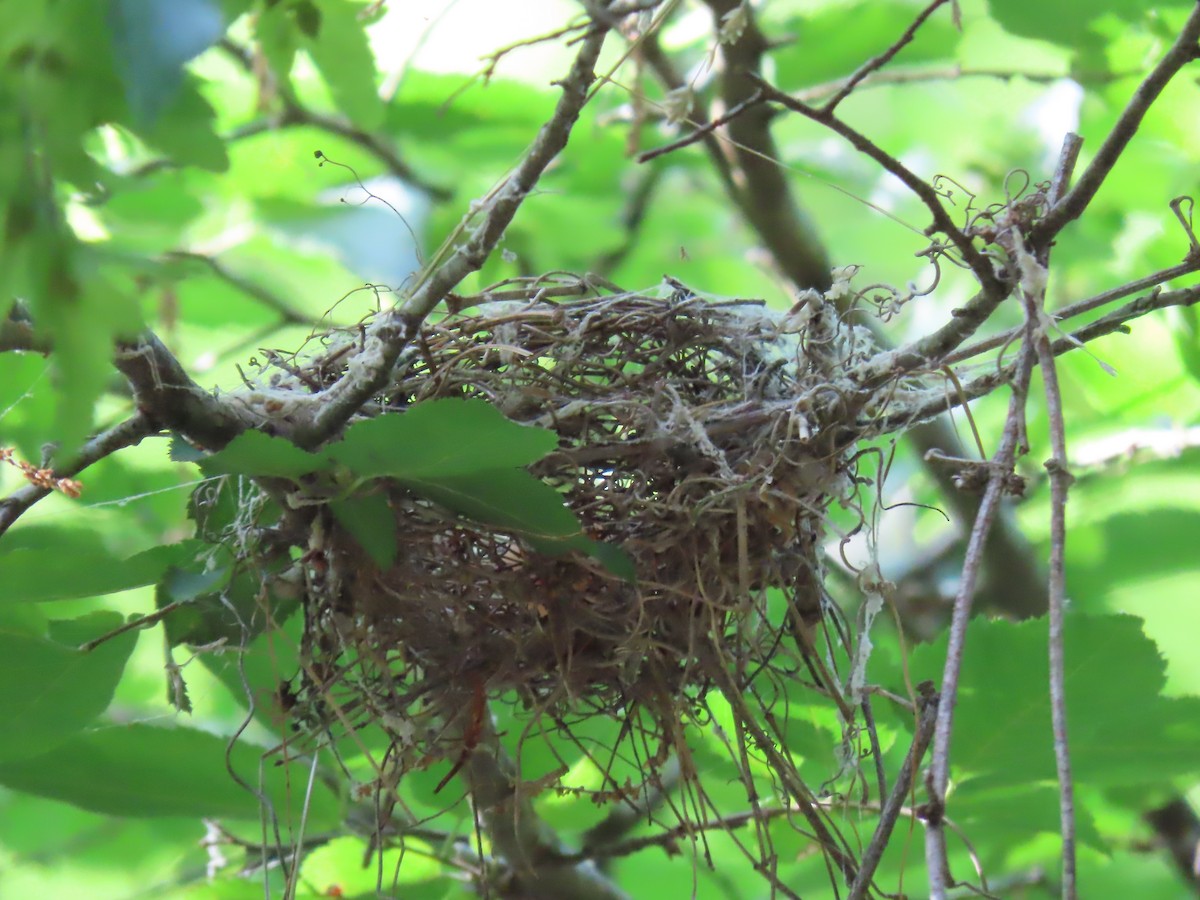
(1122, 730)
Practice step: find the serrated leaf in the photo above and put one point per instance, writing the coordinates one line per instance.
(1122, 731)
(152, 39)
(255, 453)
(370, 521)
(277, 39)
(50, 690)
(440, 439)
(38, 575)
(139, 770)
(181, 451)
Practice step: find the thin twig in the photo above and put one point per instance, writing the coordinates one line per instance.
(267, 298)
(391, 332)
(702, 131)
(903, 414)
(979, 264)
(938, 778)
(1183, 51)
(895, 801)
(1078, 308)
(925, 75)
(874, 65)
(128, 433)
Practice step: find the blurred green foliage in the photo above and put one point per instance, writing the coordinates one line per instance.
(138, 137)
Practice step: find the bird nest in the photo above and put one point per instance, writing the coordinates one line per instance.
(694, 435)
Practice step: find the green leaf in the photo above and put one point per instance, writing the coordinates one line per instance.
(1122, 731)
(343, 54)
(834, 40)
(186, 131)
(235, 613)
(49, 690)
(510, 499)
(140, 770)
(1187, 339)
(1073, 22)
(515, 501)
(39, 575)
(440, 439)
(256, 453)
(371, 522)
(152, 39)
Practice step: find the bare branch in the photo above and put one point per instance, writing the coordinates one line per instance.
(938, 777)
(1060, 481)
(1178, 826)
(1075, 309)
(702, 131)
(895, 801)
(167, 395)
(927, 75)
(984, 384)
(1183, 51)
(295, 113)
(993, 289)
(762, 192)
(519, 835)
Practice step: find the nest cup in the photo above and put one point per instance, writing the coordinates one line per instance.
(688, 437)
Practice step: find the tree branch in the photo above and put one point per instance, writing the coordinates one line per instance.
(892, 808)
(1071, 206)
(392, 330)
(993, 289)
(920, 410)
(269, 299)
(762, 192)
(519, 835)
(126, 434)
(167, 395)
(938, 776)
(874, 65)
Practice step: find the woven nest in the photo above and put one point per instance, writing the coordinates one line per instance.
(691, 436)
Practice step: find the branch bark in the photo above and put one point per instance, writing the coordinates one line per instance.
(392, 331)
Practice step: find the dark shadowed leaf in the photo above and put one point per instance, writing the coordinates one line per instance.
(371, 522)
